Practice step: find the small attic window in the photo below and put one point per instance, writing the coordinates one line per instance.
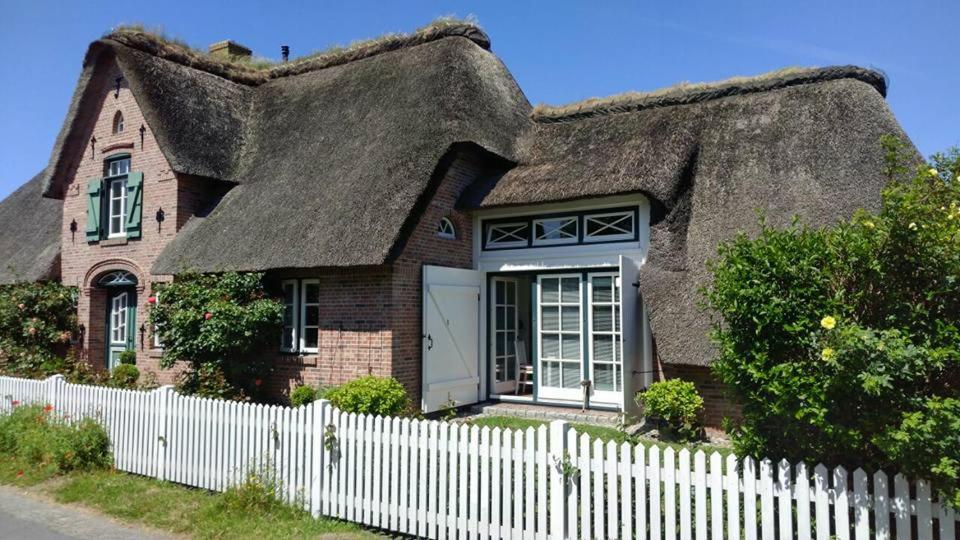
(118, 123)
(446, 229)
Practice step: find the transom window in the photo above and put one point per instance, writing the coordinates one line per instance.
(301, 316)
(446, 229)
(117, 278)
(616, 225)
(508, 234)
(612, 226)
(555, 230)
(118, 167)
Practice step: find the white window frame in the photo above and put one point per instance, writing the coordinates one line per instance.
(565, 220)
(122, 198)
(559, 392)
(625, 214)
(295, 341)
(495, 244)
(446, 229)
(302, 327)
(118, 319)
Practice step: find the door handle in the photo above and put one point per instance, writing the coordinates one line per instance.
(430, 342)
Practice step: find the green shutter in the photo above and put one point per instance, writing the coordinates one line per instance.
(94, 188)
(134, 203)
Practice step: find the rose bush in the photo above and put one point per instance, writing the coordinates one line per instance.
(214, 323)
(37, 322)
(842, 344)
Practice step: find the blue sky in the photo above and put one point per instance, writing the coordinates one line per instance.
(558, 51)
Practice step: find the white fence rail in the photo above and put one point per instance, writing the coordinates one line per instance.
(438, 480)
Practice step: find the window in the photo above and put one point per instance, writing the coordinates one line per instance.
(610, 226)
(560, 331)
(446, 229)
(562, 230)
(591, 226)
(301, 316)
(508, 235)
(606, 354)
(118, 123)
(118, 167)
(115, 202)
(117, 208)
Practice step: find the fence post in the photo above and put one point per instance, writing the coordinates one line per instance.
(558, 484)
(53, 385)
(163, 398)
(319, 457)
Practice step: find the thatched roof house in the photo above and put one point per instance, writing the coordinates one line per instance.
(340, 161)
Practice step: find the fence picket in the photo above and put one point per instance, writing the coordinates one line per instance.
(596, 466)
(785, 499)
(442, 438)
(733, 498)
(749, 499)
(655, 516)
(484, 455)
(669, 495)
(766, 500)
(573, 488)
(585, 465)
(610, 468)
(947, 521)
(541, 494)
(700, 495)
(496, 463)
(716, 496)
(861, 505)
(640, 480)
(802, 482)
(684, 477)
(901, 506)
(841, 509)
(626, 493)
(924, 515)
(529, 498)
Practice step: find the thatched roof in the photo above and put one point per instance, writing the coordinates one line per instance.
(30, 244)
(331, 154)
(708, 157)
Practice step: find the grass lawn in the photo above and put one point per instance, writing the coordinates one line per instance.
(603, 433)
(177, 509)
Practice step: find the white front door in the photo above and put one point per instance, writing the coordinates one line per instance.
(118, 331)
(559, 336)
(604, 325)
(451, 337)
(504, 334)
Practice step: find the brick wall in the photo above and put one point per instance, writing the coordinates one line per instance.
(180, 197)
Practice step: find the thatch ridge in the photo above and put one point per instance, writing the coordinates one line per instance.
(245, 72)
(689, 93)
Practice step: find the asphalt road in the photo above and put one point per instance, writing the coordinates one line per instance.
(24, 516)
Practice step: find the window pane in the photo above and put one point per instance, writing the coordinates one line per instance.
(501, 317)
(288, 315)
(312, 316)
(511, 338)
(571, 290)
(552, 374)
(571, 375)
(571, 318)
(571, 347)
(601, 289)
(556, 229)
(501, 344)
(616, 318)
(311, 337)
(511, 317)
(603, 348)
(612, 225)
(501, 292)
(507, 234)
(551, 346)
(550, 318)
(288, 338)
(288, 294)
(511, 293)
(550, 290)
(311, 293)
(602, 318)
(603, 375)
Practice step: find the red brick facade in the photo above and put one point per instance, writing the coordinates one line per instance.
(83, 263)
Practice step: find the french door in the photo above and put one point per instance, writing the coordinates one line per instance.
(560, 336)
(505, 326)
(579, 337)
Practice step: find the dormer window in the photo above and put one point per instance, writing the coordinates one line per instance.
(118, 123)
(446, 229)
(115, 202)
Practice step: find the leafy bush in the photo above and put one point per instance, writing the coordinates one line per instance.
(128, 357)
(124, 376)
(842, 344)
(677, 404)
(39, 436)
(214, 323)
(383, 396)
(37, 321)
(303, 395)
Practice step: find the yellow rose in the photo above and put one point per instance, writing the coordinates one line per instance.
(828, 354)
(912, 226)
(933, 172)
(828, 322)
(868, 224)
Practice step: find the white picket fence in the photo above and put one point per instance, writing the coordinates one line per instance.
(435, 479)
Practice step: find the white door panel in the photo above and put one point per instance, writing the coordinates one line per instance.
(635, 355)
(451, 337)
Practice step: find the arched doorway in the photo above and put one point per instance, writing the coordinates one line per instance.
(121, 314)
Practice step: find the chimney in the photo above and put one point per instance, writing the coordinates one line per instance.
(229, 49)
(285, 52)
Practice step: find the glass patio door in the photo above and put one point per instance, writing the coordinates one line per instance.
(505, 326)
(559, 336)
